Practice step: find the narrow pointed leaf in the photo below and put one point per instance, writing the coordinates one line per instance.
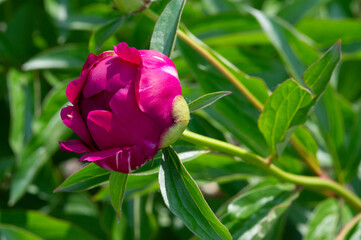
(206, 100)
(86, 178)
(183, 197)
(319, 74)
(117, 183)
(165, 30)
(100, 35)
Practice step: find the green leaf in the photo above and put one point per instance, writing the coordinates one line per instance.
(10, 232)
(295, 10)
(64, 57)
(117, 183)
(165, 30)
(327, 31)
(327, 220)
(183, 197)
(17, 87)
(280, 111)
(319, 74)
(291, 45)
(253, 214)
(46, 227)
(88, 177)
(206, 100)
(101, 34)
(36, 153)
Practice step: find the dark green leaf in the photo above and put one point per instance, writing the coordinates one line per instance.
(253, 214)
(184, 199)
(10, 232)
(100, 35)
(206, 100)
(280, 111)
(44, 226)
(86, 178)
(117, 183)
(165, 30)
(67, 56)
(36, 153)
(282, 37)
(295, 10)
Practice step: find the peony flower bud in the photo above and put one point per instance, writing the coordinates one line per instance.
(127, 104)
(131, 6)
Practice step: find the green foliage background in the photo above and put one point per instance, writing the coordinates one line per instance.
(43, 45)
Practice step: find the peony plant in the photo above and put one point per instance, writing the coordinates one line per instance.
(126, 105)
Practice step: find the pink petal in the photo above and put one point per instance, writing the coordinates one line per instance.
(74, 88)
(128, 54)
(92, 58)
(125, 161)
(141, 126)
(76, 145)
(110, 131)
(98, 101)
(111, 73)
(96, 156)
(72, 119)
(155, 92)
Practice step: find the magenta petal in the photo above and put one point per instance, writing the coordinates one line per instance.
(92, 58)
(96, 156)
(127, 53)
(74, 88)
(141, 126)
(76, 145)
(155, 91)
(72, 119)
(109, 74)
(125, 161)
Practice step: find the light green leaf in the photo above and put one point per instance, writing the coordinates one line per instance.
(206, 100)
(252, 214)
(183, 197)
(319, 73)
(17, 87)
(101, 34)
(88, 177)
(327, 220)
(67, 56)
(280, 111)
(117, 183)
(10, 232)
(165, 30)
(46, 227)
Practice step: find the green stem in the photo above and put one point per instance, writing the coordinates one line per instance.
(315, 183)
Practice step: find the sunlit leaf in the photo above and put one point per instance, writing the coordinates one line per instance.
(183, 197)
(117, 183)
(164, 33)
(86, 178)
(206, 100)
